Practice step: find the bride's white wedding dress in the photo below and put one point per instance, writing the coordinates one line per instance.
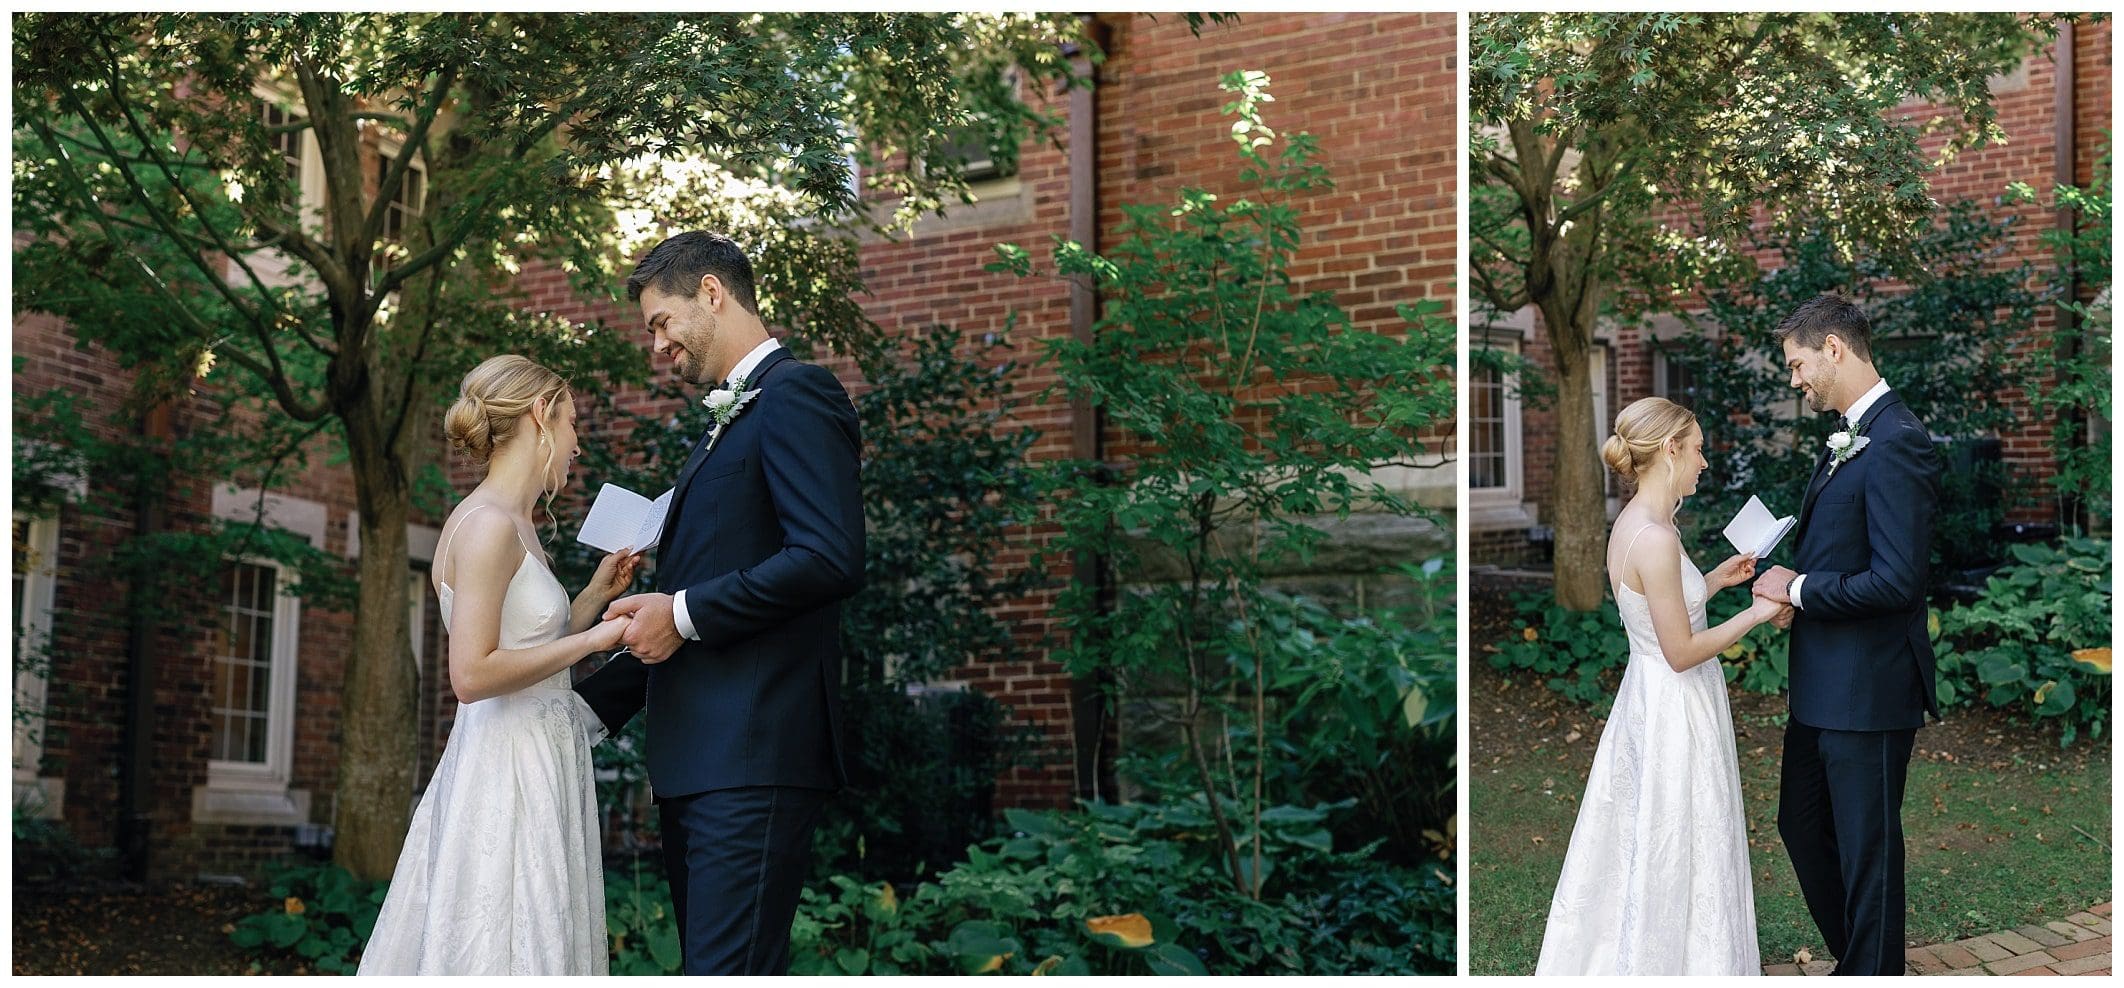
(1656, 877)
(501, 871)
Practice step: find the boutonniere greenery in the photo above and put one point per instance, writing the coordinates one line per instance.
(724, 404)
(1843, 446)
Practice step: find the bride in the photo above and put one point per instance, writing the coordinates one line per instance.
(1656, 877)
(501, 871)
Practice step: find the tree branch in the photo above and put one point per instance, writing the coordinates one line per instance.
(282, 389)
(415, 139)
(1579, 208)
(162, 219)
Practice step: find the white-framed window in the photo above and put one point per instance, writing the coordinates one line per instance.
(305, 171)
(405, 200)
(36, 586)
(403, 203)
(1672, 380)
(1494, 447)
(253, 682)
(253, 659)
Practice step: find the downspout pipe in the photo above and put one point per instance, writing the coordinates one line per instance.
(2065, 172)
(1088, 697)
(136, 754)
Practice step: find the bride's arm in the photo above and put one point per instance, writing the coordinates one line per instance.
(1658, 559)
(487, 555)
(615, 573)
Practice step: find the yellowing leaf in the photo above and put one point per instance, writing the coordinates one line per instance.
(1531, 635)
(1932, 624)
(888, 900)
(2043, 692)
(1132, 930)
(2093, 658)
(992, 964)
(1413, 706)
(1734, 650)
(1047, 966)
(293, 906)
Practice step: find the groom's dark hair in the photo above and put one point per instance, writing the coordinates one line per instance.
(1825, 315)
(675, 267)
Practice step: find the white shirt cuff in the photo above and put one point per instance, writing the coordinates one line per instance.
(1794, 593)
(681, 618)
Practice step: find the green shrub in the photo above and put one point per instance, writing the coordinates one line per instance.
(1139, 889)
(642, 933)
(2014, 646)
(1364, 708)
(1583, 653)
(922, 772)
(320, 914)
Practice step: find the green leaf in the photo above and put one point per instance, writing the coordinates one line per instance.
(1168, 959)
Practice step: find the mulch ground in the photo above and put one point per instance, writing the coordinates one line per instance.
(108, 927)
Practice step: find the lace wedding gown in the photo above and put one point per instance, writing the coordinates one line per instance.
(501, 871)
(1656, 877)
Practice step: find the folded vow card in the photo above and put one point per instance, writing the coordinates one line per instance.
(1755, 530)
(620, 518)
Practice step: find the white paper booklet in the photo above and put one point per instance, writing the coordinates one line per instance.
(620, 518)
(1755, 530)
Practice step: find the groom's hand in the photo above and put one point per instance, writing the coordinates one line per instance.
(1772, 584)
(653, 636)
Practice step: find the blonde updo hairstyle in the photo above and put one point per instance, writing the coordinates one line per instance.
(1641, 432)
(493, 399)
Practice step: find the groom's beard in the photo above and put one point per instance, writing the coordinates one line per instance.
(1818, 392)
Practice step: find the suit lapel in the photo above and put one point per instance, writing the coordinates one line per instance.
(702, 448)
(1821, 463)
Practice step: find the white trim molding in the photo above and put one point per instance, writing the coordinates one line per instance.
(300, 516)
(38, 796)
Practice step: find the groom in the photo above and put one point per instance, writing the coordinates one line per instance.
(1862, 668)
(738, 651)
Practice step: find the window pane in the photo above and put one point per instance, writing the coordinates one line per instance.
(1486, 429)
(244, 664)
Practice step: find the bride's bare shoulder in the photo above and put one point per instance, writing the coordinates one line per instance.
(478, 540)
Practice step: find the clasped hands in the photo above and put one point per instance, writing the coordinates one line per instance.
(1769, 589)
(1771, 586)
(652, 634)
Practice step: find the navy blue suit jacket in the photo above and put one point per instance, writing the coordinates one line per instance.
(765, 535)
(1861, 658)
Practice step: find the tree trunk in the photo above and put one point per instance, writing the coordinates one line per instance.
(1580, 518)
(378, 719)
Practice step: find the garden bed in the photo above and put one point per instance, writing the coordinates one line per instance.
(1990, 814)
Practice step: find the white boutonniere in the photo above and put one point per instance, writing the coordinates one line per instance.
(724, 404)
(1843, 446)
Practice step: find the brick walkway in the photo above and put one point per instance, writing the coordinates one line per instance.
(2078, 945)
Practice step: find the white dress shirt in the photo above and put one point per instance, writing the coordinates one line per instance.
(743, 370)
(1851, 418)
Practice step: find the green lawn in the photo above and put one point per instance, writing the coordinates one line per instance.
(1990, 835)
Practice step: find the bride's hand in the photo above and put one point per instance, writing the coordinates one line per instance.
(1733, 572)
(606, 634)
(615, 573)
(1764, 609)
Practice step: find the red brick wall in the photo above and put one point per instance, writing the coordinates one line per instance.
(86, 703)
(2028, 113)
(1377, 91)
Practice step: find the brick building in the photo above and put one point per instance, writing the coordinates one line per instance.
(1512, 449)
(240, 775)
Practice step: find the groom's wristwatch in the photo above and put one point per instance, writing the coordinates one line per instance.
(1789, 584)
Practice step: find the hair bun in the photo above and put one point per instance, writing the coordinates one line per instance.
(492, 397)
